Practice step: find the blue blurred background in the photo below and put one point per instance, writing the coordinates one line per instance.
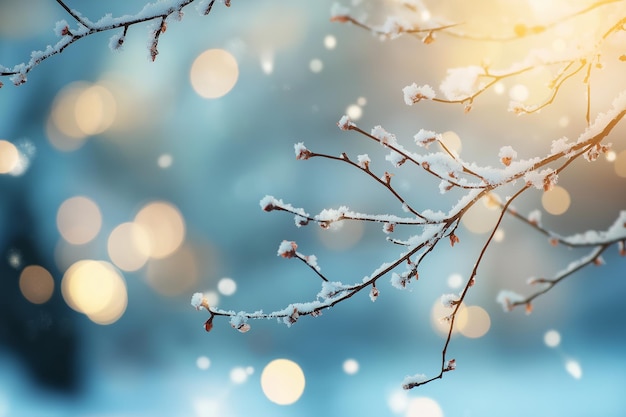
(152, 147)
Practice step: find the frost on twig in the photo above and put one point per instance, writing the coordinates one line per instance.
(160, 13)
(471, 182)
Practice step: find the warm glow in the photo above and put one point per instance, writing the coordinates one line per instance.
(330, 42)
(9, 157)
(452, 141)
(423, 407)
(282, 381)
(519, 92)
(341, 235)
(63, 111)
(438, 315)
(455, 281)
(79, 220)
(473, 322)
(36, 284)
(96, 289)
(175, 274)
(556, 201)
(128, 246)
(214, 73)
(481, 218)
(620, 164)
(164, 226)
(94, 110)
(350, 366)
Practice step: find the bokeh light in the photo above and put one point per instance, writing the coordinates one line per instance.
(96, 289)
(36, 284)
(398, 401)
(620, 164)
(175, 274)
(556, 201)
(438, 314)
(238, 375)
(164, 226)
(79, 220)
(94, 110)
(354, 111)
(473, 322)
(128, 246)
(341, 235)
(519, 92)
(316, 65)
(552, 338)
(481, 217)
(455, 281)
(423, 407)
(227, 286)
(214, 73)
(452, 141)
(573, 368)
(330, 42)
(350, 366)
(9, 157)
(282, 381)
(203, 363)
(165, 160)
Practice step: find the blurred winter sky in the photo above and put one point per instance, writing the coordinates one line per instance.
(109, 140)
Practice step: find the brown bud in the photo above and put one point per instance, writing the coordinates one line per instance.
(208, 325)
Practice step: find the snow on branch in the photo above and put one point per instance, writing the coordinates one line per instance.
(450, 173)
(160, 13)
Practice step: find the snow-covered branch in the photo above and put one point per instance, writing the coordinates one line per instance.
(160, 13)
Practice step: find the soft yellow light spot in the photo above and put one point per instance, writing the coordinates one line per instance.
(36, 284)
(556, 201)
(452, 141)
(519, 92)
(361, 101)
(610, 156)
(563, 121)
(491, 201)
(473, 322)
(479, 219)
(9, 157)
(63, 112)
(574, 369)
(95, 110)
(499, 88)
(438, 318)
(499, 235)
(350, 366)
(552, 338)
(174, 274)
(425, 15)
(423, 407)
(282, 381)
(164, 226)
(79, 220)
(559, 45)
(128, 246)
(96, 289)
(354, 111)
(330, 42)
(214, 73)
(620, 164)
(341, 235)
